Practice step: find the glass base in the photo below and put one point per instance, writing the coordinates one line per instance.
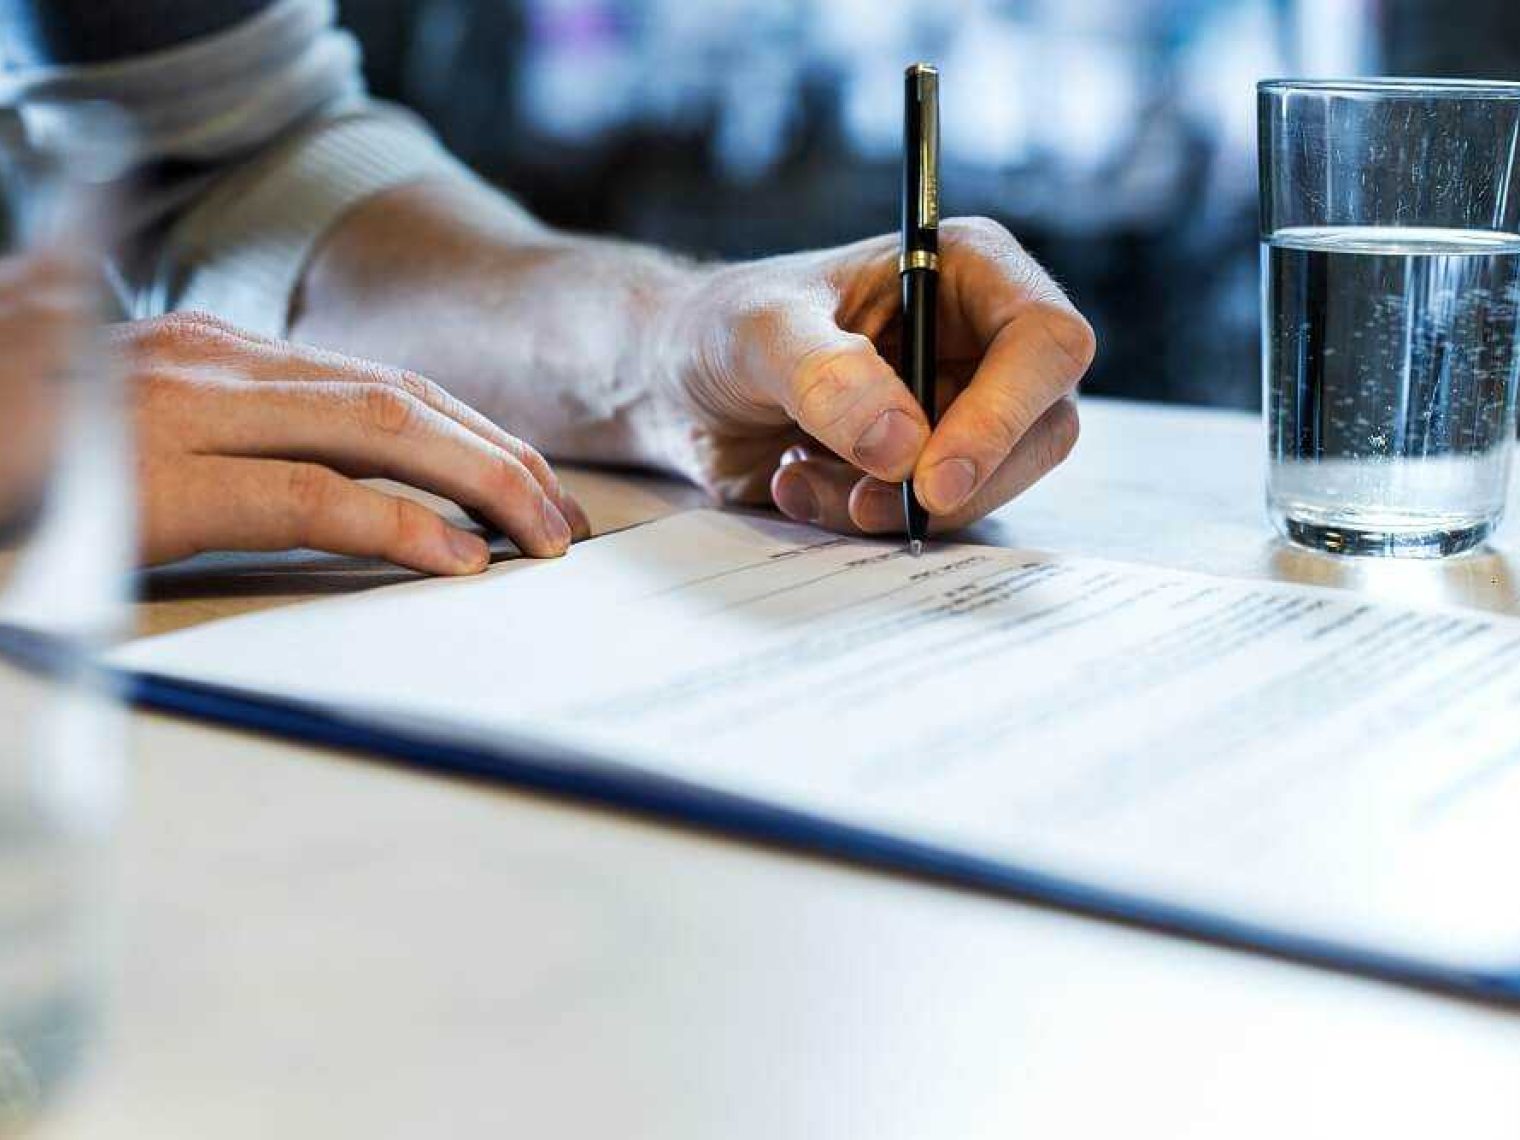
(43, 1044)
(1336, 539)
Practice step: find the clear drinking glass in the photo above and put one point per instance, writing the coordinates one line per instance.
(1390, 230)
(65, 541)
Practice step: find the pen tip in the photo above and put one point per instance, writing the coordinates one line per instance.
(916, 547)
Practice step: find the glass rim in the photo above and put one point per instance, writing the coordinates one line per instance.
(1393, 87)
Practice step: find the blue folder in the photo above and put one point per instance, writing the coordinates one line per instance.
(593, 780)
(589, 779)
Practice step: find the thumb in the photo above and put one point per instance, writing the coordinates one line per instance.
(839, 390)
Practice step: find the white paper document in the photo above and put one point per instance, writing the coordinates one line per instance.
(1297, 758)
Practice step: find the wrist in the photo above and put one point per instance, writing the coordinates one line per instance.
(679, 341)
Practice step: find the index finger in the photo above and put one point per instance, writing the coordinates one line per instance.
(1034, 346)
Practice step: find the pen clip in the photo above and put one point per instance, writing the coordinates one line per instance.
(926, 78)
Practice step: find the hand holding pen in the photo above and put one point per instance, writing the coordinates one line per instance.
(839, 361)
(803, 382)
(811, 394)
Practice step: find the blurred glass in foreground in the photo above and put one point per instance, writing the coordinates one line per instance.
(1391, 310)
(65, 541)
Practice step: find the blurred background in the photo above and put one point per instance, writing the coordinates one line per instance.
(1116, 138)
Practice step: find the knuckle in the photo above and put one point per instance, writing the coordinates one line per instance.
(762, 324)
(1065, 429)
(308, 484)
(410, 526)
(174, 334)
(385, 410)
(999, 425)
(1074, 336)
(766, 321)
(822, 389)
(529, 457)
(983, 233)
(310, 492)
(155, 384)
(511, 478)
(818, 387)
(205, 320)
(1019, 280)
(416, 386)
(162, 335)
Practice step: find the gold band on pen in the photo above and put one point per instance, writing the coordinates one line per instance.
(917, 259)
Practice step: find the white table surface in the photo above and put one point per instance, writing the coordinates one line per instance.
(323, 946)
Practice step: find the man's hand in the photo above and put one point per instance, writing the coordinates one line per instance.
(772, 380)
(251, 444)
(787, 370)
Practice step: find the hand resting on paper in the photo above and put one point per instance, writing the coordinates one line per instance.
(252, 444)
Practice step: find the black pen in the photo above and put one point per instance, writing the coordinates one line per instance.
(918, 265)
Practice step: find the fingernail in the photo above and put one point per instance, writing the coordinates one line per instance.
(949, 484)
(877, 506)
(890, 443)
(796, 499)
(575, 515)
(469, 550)
(555, 526)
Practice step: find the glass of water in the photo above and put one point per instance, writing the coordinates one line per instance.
(65, 544)
(1390, 230)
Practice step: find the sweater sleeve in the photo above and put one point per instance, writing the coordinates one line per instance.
(251, 140)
